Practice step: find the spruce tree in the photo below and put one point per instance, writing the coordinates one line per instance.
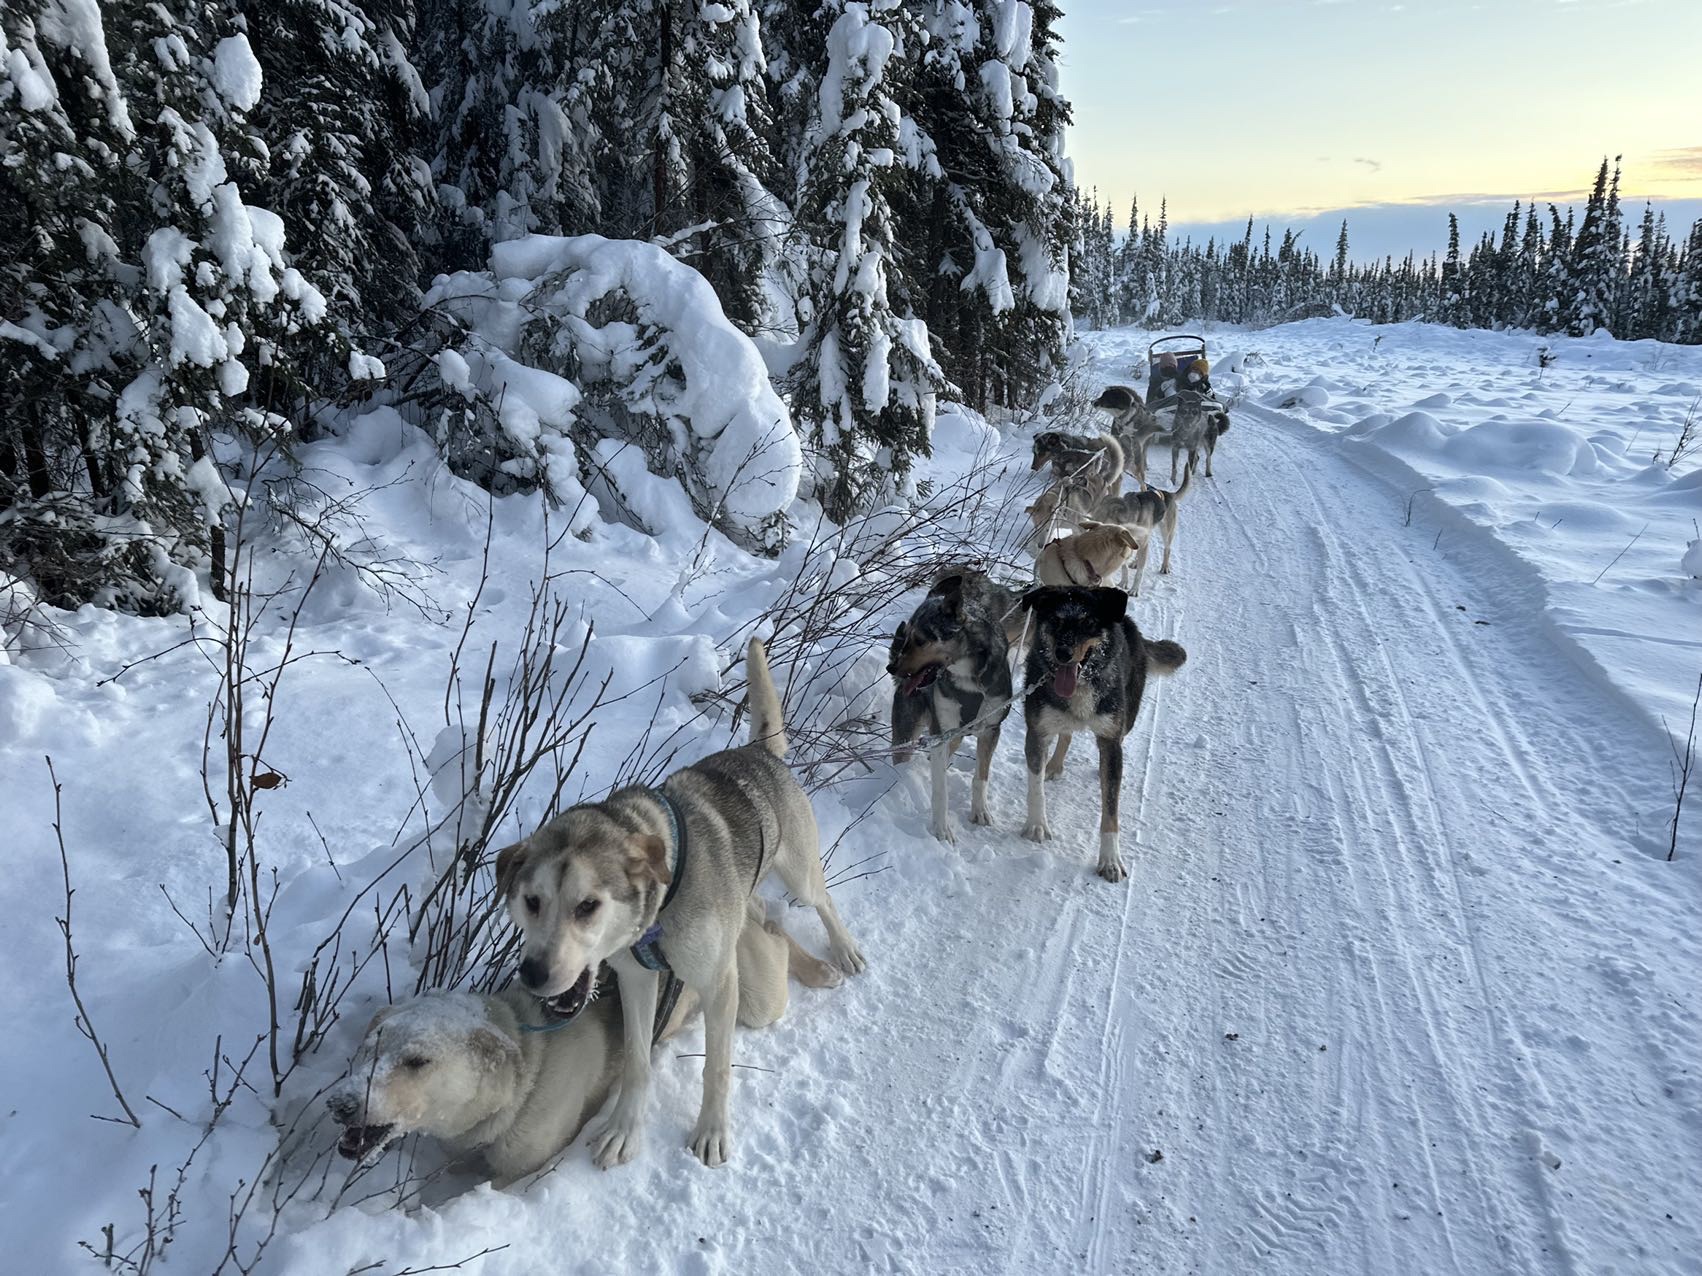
(866, 384)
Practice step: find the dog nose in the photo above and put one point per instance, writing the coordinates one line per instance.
(1065, 655)
(342, 1108)
(533, 972)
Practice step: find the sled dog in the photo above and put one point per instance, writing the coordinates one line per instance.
(950, 666)
(1087, 670)
(657, 879)
(498, 1079)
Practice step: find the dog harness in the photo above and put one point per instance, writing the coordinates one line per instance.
(647, 952)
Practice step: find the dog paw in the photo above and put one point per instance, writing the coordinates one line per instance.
(1036, 831)
(1054, 770)
(614, 1144)
(712, 1142)
(849, 958)
(978, 815)
(942, 829)
(1112, 871)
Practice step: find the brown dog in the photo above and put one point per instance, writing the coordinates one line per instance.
(1090, 556)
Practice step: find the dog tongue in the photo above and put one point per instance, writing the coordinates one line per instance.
(1064, 680)
(916, 681)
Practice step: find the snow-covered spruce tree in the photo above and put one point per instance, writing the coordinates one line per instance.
(500, 136)
(343, 113)
(1596, 265)
(144, 295)
(867, 379)
(1686, 290)
(988, 107)
(643, 119)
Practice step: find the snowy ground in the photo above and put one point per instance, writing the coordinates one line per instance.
(1399, 983)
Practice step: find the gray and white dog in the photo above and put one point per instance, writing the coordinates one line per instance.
(497, 1078)
(950, 664)
(657, 879)
(1148, 510)
(1132, 425)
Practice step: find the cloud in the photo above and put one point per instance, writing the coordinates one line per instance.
(1376, 166)
(1395, 228)
(1685, 163)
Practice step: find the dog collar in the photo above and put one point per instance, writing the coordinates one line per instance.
(558, 1024)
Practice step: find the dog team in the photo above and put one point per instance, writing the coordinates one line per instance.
(652, 893)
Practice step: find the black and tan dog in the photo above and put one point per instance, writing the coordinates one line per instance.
(950, 664)
(1087, 670)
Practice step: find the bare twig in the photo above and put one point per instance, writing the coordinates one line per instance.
(1681, 768)
(85, 1025)
(1622, 553)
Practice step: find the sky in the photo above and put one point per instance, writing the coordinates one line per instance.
(1301, 112)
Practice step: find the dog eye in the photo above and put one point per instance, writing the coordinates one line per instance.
(586, 908)
(532, 904)
(413, 1063)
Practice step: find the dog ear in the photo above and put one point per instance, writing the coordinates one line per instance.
(1110, 606)
(650, 857)
(949, 589)
(509, 861)
(492, 1050)
(1036, 597)
(1129, 539)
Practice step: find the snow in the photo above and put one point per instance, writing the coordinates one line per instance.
(195, 336)
(77, 27)
(29, 76)
(1401, 981)
(1444, 412)
(683, 363)
(236, 72)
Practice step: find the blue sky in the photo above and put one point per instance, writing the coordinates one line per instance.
(1297, 111)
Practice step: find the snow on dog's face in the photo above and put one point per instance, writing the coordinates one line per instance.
(1069, 624)
(930, 640)
(434, 1065)
(575, 888)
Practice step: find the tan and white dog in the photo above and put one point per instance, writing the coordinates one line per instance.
(658, 879)
(1091, 556)
(494, 1076)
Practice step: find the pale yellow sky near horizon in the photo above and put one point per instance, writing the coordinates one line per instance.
(1294, 106)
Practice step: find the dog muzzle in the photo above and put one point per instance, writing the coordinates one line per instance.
(361, 1141)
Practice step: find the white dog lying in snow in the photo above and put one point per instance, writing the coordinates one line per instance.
(464, 1068)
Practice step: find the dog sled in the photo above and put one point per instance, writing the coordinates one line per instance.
(1179, 386)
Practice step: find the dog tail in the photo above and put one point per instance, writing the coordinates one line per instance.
(1113, 461)
(1164, 656)
(1187, 482)
(767, 727)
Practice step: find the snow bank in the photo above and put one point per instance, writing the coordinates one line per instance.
(1565, 467)
(577, 340)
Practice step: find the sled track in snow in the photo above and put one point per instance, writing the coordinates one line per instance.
(1358, 826)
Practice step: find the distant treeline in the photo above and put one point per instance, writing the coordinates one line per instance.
(1547, 271)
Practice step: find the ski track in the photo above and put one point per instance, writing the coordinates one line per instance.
(1361, 832)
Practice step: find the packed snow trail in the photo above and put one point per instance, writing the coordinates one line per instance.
(1387, 990)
